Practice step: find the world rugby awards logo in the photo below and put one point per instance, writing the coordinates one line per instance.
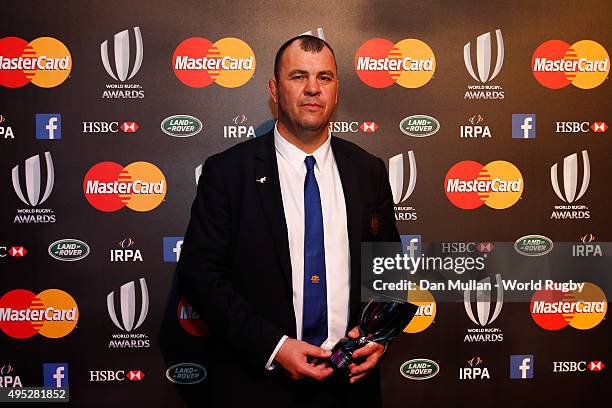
(123, 317)
(570, 193)
(402, 191)
(483, 74)
(33, 189)
(481, 301)
(122, 72)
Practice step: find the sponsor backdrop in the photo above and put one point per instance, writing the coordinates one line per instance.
(492, 119)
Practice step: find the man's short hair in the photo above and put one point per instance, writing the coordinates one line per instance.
(308, 43)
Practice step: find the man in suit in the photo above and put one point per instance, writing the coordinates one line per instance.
(271, 256)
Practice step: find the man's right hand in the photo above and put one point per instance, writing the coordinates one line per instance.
(293, 357)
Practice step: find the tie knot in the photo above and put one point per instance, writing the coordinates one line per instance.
(310, 162)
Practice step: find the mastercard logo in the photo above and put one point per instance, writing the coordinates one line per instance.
(583, 310)
(469, 184)
(109, 186)
(52, 313)
(189, 319)
(425, 313)
(198, 62)
(584, 64)
(410, 63)
(45, 61)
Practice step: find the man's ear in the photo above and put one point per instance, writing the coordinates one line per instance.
(272, 87)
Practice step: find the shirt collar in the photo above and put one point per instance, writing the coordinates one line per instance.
(295, 156)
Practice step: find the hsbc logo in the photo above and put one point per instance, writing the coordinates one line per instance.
(599, 127)
(14, 251)
(580, 127)
(577, 366)
(115, 376)
(369, 127)
(596, 366)
(467, 247)
(110, 127)
(353, 127)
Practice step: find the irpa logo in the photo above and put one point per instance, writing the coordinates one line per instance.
(122, 57)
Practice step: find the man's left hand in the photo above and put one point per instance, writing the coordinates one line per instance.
(373, 352)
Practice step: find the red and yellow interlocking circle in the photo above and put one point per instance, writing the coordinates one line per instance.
(198, 62)
(584, 64)
(426, 312)
(583, 310)
(46, 62)
(410, 63)
(469, 184)
(141, 186)
(52, 313)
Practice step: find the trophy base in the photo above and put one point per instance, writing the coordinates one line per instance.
(342, 355)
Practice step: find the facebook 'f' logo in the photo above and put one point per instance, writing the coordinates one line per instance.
(411, 245)
(521, 366)
(523, 125)
(48, 126)
(55, 375)
(172, 248)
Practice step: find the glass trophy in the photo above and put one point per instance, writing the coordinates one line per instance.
(380, 322)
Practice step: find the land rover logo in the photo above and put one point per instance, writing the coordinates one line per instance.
(420, 369)
(68, 250)
(186, 373)
(419, 125)
(181, 125)
(533, 245)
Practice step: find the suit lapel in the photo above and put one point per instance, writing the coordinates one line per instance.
(354, 209)
(272, 201)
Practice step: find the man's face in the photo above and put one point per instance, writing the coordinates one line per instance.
(306, 90)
